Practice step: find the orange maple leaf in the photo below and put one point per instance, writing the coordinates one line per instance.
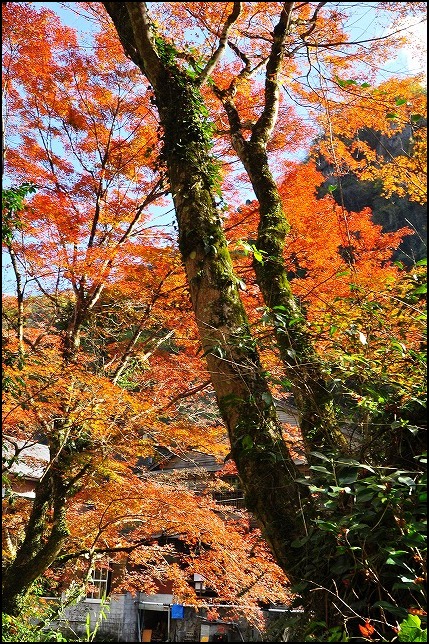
(367, 630)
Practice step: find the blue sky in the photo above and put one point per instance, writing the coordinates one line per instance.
(362, 24)
(411, 60)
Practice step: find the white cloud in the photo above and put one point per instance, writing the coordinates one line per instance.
(415, 53)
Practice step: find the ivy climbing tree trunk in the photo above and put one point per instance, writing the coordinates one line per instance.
(265, 466)
(312, 396)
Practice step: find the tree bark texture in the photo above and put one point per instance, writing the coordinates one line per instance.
(40, 546)
(47, 530)
(265, 466)
(313, 399)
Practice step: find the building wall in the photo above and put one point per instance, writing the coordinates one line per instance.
(126, 615)
(118, 625)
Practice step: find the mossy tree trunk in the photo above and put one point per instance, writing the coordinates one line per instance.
(265, 466)
(313, 399)
(303, 368)
(46, 531)
(45, 534)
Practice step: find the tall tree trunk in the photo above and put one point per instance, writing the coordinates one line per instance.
(47, 529)
(265, 466)
(318, 421)
(40, 547)
(314, 401)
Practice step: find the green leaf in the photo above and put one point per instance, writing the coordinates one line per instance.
(422, 458)
(392, 115)
(305, 482)
(396, 561)
(407, 481)
(413, 429)
(365, 85)
(348, 475)
(314, 489)
(398, 346)
(245, 245)
(247, 442)
(334, 489)
(319, 468)
(326, 525)
(422, 262)
(267, 398)
(400, 101)
(320, 455)
(331, 504)
(363, 498)
(366, 467)
(410, 630)
(358, 526)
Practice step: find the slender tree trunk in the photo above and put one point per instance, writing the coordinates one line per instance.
(39, 548)
(47, 530)
(314, 402)
(20, 302)
(265, 466)
(313, 399)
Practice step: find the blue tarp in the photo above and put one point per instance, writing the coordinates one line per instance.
(177, 611)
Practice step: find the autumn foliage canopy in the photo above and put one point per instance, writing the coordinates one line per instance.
(104, 360)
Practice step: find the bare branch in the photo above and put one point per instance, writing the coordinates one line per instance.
(127, 355)
(187, 393)
(222, 43)
(343, 43)
(100, 551)
(240, 54)
(265, 124)
(313, 21)
(156, 192)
